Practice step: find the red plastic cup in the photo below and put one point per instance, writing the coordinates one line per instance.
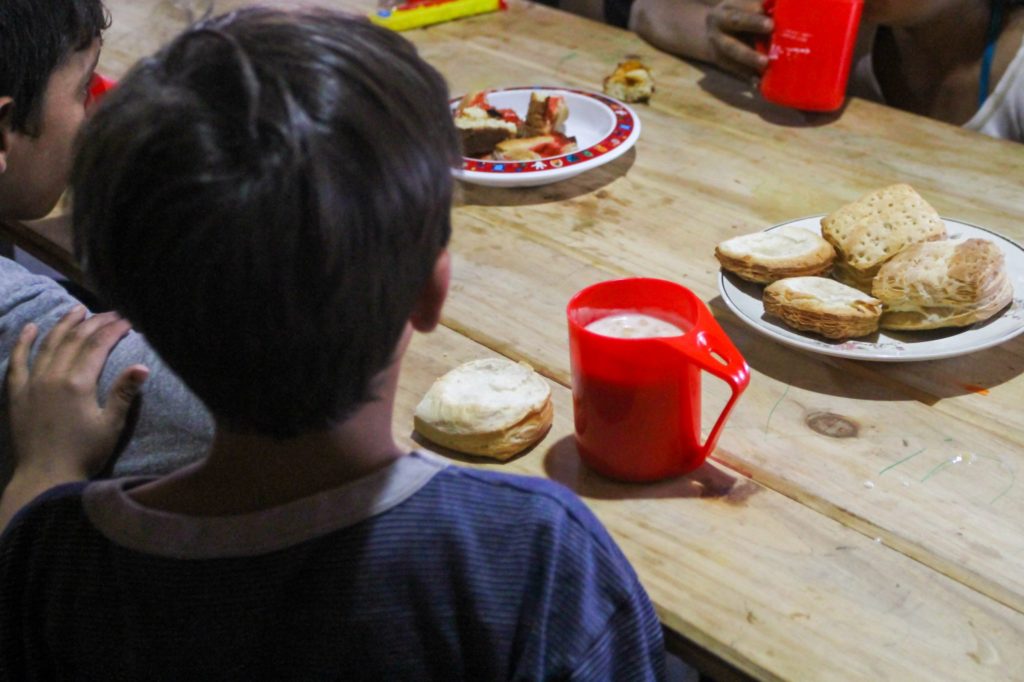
(810, 52)
(98, 86)
(637, 400)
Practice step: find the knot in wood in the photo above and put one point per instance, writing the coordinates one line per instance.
(832, 425)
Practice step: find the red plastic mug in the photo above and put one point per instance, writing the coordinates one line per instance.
(810, 52)
(637, 400)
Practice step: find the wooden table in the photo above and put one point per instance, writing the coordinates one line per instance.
(894, 553)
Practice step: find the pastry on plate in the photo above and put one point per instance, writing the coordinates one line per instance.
(546, 115)
(631, 81)
(492, 407)
(823, 306)
(481, 126)
(765, 257)
(951, 283)
(875, 228)
(533, 148)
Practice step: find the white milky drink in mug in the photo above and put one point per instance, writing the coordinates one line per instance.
(633, 326)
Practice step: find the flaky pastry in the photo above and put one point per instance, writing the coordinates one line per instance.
(823, 306)
(765, 257)
(950, 283)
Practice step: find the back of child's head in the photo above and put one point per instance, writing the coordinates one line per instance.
(36, 37)
(265, 199)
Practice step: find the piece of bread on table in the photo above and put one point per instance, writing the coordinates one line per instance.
(875, 228)
(631, 81)
(492, 407)
(765, 257)
(950, 283)
(823, 306)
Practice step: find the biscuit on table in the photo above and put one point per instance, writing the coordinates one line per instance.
(823, 306)
(876, 227)
(951, 283)
(765, 257)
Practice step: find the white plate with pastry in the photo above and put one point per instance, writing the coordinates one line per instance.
(587, 131)
(744, 298)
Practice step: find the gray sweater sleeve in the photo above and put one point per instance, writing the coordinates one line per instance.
(173, 428)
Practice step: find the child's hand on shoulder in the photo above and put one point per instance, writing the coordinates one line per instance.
(732, 25)
(58, 428)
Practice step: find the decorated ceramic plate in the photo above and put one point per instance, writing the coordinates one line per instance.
(604, 129)
(744, 299)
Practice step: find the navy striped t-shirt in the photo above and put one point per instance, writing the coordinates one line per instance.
(420, 571)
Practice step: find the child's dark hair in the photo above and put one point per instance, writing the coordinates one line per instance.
(36, 37)
(265, 199)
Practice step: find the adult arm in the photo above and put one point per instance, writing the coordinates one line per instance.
(676, 26)
(719, 32)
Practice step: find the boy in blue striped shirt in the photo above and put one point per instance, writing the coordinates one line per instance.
(268, 200)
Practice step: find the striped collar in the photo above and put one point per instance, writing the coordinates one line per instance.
(126, 523)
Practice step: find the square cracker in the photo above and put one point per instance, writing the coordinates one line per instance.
(879, 225)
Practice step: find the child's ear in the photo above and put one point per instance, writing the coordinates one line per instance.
(427, 313)
(6, 107)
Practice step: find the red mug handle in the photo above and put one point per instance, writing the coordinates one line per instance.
(715, 353)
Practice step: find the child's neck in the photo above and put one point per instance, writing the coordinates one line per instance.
(246, 473)
(932, 68)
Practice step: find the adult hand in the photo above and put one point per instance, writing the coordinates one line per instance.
(58, 428)
(732, 25)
